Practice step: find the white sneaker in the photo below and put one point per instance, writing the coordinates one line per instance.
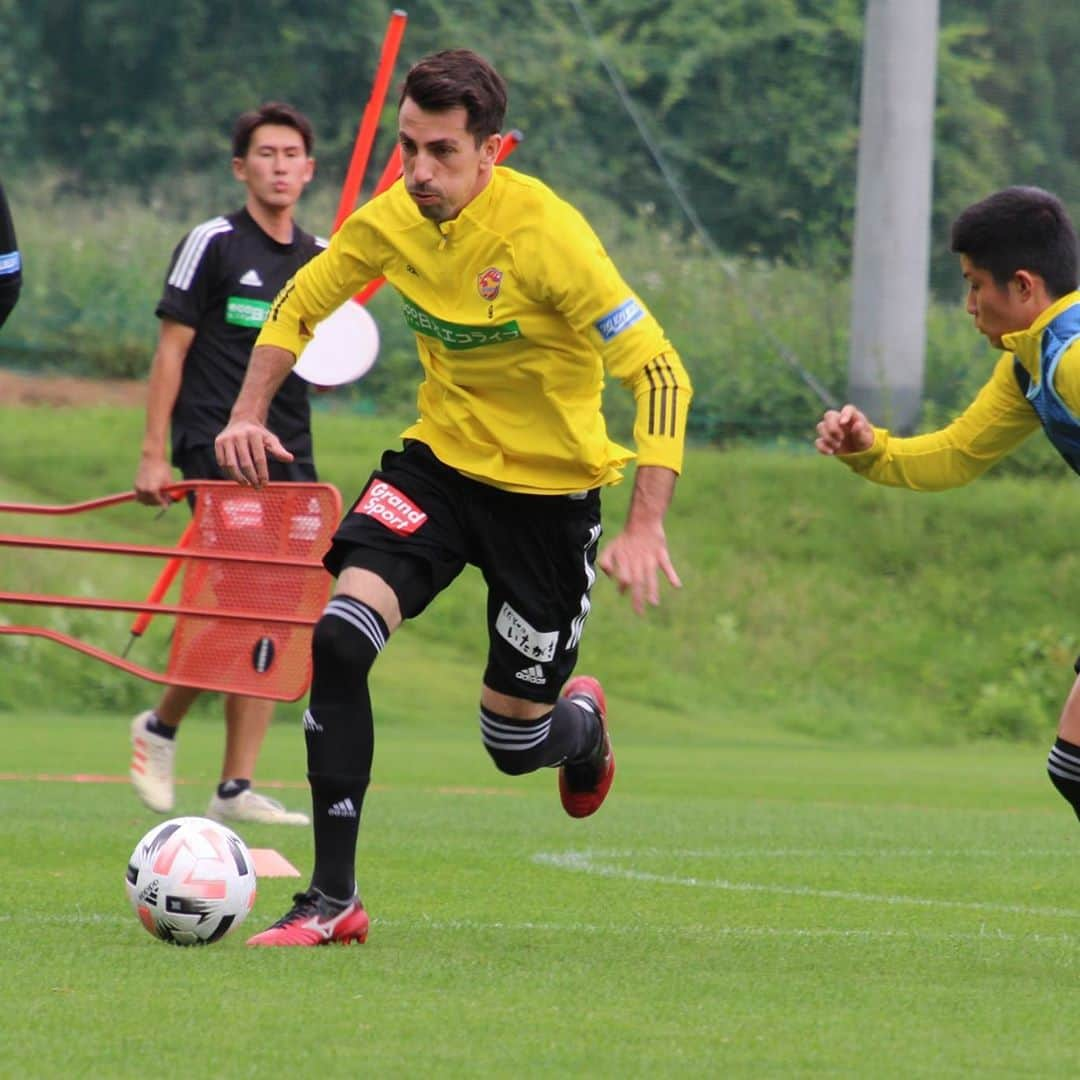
(251, 806)
(151, 769)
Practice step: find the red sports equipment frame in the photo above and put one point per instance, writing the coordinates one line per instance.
(365, 139)
(369, 121)
(252, 585)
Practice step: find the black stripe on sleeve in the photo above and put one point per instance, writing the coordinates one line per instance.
(281, 298)
(674, 396)
(652, 397)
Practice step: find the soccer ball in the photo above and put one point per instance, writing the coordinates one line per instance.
(190, 881)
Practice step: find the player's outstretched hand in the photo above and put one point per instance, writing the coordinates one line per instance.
(844, 431)
(633, 561)
(241, 451)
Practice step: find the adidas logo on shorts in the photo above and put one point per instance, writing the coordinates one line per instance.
(534, 675)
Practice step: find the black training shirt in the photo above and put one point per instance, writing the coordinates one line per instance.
(221, 281)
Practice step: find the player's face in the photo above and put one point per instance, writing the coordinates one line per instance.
(444, 168)
(998, 309)
(276, 167)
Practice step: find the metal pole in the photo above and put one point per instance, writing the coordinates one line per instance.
(892, 211)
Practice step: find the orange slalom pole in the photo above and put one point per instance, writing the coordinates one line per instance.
(369, 122)
(390, 173)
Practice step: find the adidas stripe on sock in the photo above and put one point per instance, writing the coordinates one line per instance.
(357, 614)
(1063, 766)
(564, 734)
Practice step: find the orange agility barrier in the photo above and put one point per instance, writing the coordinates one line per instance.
(161, 586)
(252, 585)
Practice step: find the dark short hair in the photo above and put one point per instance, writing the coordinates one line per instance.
(1020, 228)
(270, 112)
(459, 77)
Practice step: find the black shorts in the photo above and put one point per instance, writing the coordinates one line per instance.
(200, 463)
(419, 522)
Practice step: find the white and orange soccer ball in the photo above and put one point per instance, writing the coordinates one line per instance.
(190, 881)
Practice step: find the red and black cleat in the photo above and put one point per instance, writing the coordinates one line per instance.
(583, 785)
(315, 919)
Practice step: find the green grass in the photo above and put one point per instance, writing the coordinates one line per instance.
(813, 602)
(796, 873)
(741, 907)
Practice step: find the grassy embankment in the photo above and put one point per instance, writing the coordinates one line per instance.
(775, 885)
(813, 602)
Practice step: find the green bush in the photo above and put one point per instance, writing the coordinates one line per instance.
(812, 602)
(1026, 699)
(93, 275)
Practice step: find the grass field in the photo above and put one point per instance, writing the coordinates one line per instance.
(742, 906)
(812, 863)
(812, 601)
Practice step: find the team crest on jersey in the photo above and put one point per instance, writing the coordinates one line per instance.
(488, 282)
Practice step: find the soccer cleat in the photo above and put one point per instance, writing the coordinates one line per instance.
(583, 785)
(151, 769)
(251, 806)
(316, 919)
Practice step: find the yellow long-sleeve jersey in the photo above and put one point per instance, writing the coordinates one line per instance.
(517, 311)
(996, 422)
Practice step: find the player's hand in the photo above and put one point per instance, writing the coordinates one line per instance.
(844, 431)
(634, 559)
(152, 476)
(241, 451)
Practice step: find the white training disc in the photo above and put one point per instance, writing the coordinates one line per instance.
(344, 347)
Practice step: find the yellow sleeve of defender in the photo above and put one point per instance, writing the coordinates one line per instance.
(995, 423)
(577, 276)
(322, 285)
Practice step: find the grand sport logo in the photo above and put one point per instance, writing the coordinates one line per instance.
(458, 335)
(387, 505)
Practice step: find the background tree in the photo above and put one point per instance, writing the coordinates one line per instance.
(754, 105)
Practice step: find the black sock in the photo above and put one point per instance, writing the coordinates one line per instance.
(568, 733)
(1063, 765)
(229, 789)
(156, 727)
(340, 736)
(586, 726)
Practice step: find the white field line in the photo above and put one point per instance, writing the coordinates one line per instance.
(74, 918)
(984, 934)
(662, 930)
(821, 853)
(593, 863)
(598, 863)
